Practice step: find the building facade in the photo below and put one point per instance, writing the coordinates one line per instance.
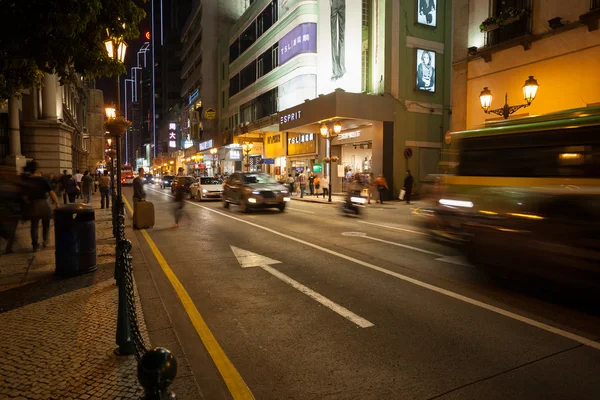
(48, 124)
(498, 45)
(380, 68)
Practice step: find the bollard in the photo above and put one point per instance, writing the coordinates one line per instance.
(156, 371)
(124, 336)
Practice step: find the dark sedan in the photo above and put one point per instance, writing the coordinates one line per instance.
(166, 181)
(251, 190)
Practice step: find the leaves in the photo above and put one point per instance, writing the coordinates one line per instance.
(62, 36)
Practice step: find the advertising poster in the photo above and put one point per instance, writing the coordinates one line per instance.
(340, 46)
(425, 70)
(301, 39)
(427, 12)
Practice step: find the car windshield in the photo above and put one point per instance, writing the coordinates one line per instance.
(258, 178)
(168, 178)
(210, 181)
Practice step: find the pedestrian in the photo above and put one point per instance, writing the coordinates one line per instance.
(87, 185)
(317, 184)
(11, 198)
(311, 184)
(96, 182)
(78, 176)
(325, 184)
(371, 185)
(302, 179)
(179, 196)
(72, 188)
(290, 183)
(381, 186)
(408, 186)
(139, 194)
(104, 185)
(40, 189)
(64, 180)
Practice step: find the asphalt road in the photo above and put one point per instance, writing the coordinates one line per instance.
(361, 308)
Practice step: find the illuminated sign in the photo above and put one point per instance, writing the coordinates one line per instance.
(210, 113)
(348, 135)
(235, 155)
(274, 139)
(206, 145)
(193, 96)
(427, 12)
(305, 137)
(340, 46)
(187, 144)
(425, 70)
(172, 135)
(147, 35)
(284, 119)
(301, 39)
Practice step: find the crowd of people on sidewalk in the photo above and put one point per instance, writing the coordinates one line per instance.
(369, 186)
(31, 196)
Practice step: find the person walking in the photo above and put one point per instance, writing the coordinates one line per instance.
(11, 198)
(139, 194)
(325, 184)
(40, 189)
(371, 186)
(179, 197)
(290, 183)
(72, 188)
(311, 184)
(381, 186)
(302, 181)
(78, 177)
(64, 180)
(408, 186)
(317, 185)
(87, 185)
(104, 185)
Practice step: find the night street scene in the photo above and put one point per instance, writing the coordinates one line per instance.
(300, 199)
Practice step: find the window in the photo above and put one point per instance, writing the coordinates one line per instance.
(223, 99)
(512, 30)
(594, 4)
(257, 28)
(259, 68)
(234, 85)
(248, 76)
(248, 37)
(223, 71)
(234, 50)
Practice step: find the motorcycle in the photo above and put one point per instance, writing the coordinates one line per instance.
(354, 203)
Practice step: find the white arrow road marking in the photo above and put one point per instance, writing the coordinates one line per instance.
(509, 314)
(249, 259)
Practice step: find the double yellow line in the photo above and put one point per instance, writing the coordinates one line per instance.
(234, 381)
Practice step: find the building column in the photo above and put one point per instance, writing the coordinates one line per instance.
(49, 98)
(15, 158)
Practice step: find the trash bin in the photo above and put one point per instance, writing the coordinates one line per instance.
(75, 239)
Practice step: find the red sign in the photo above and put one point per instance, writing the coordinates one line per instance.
(408, 152)
(148, 35)
(158, 161)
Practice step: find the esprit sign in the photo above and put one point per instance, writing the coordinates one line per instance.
(293, 116)
(348, 135)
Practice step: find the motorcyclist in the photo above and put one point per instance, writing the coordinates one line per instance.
(353, 189)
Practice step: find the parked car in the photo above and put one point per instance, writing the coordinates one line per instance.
(252, 190)
(207, 188)
(186, 181)
(166, 181)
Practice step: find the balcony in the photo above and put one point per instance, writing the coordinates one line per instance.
(513, 22)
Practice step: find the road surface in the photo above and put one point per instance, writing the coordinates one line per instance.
(309, 304)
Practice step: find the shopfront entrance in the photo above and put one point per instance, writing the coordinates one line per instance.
(301, 152)
(274, 161)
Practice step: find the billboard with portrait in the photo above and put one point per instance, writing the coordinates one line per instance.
(339, 46)
(427, 12)
(425, 70)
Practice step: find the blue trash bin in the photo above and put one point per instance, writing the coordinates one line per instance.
(75, 239)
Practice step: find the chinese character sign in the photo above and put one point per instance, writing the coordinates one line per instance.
(302, 39)
(172, 135)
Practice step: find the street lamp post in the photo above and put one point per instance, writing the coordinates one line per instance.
(529, 91)
(330, 135)
(247, 148)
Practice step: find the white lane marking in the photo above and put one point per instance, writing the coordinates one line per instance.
(509, 314)
(394, 227)
(344, 312)
(297, 209)
(248, 259)
(405, 246)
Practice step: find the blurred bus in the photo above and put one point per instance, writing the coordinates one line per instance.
(526, 197)
(127, 175)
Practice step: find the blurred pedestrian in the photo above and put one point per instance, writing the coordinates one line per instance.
(39, 191)
(104, 185)
(87, 185)
(311, 184)
(317, 185)
(325, 184)
(78, 176)
(302, 179)
(179, 196)
(382, 186)
(11, 198)
(371, 185)
(139, 194)
(290, 183)
(72, 188)
(96, 182)
(64, 180)
(408, 186)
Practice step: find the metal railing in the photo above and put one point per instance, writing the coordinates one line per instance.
(511, 30)
(157, 368)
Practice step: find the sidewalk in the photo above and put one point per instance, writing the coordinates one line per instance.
(57, 336)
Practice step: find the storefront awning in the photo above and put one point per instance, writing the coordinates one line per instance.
(354, 108)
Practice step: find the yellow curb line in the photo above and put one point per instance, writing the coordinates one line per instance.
(234, 381)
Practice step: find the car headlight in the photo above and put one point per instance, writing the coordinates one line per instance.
(255, 192)
(284, 192)
(166, 182)
(204, 191)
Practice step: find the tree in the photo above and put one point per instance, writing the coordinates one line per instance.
(65, 37)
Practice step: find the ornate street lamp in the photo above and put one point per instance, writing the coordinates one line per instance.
(529, 92)
(330, 134)
(247, 148)
(214, 152)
